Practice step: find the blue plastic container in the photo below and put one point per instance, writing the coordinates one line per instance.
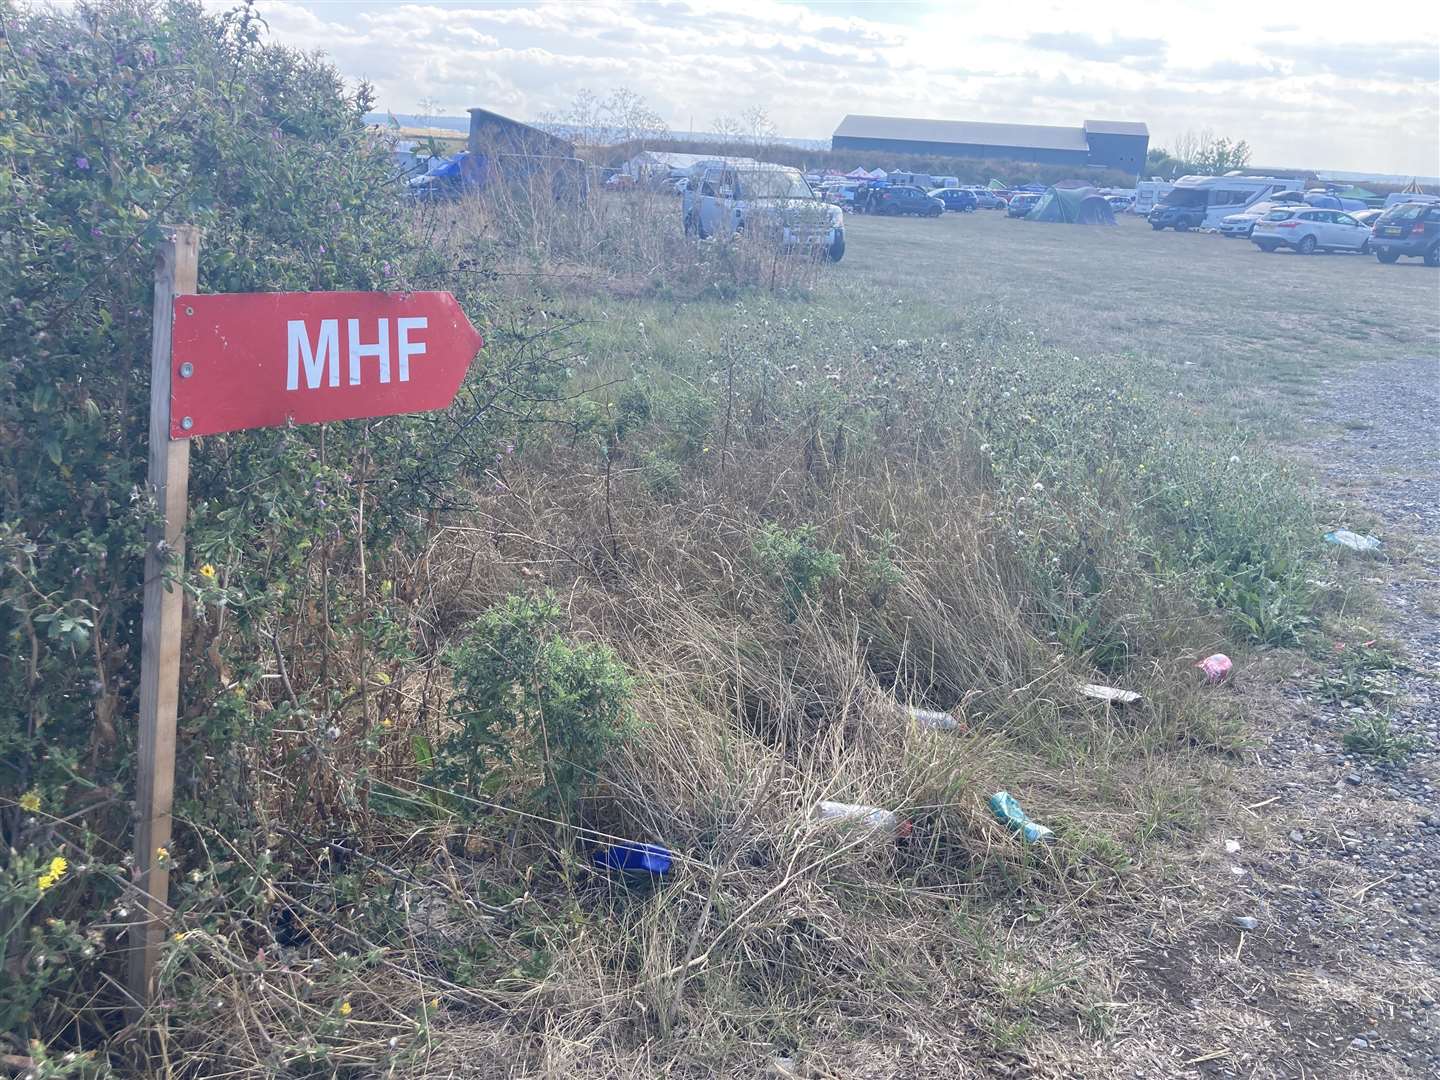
(634, 858)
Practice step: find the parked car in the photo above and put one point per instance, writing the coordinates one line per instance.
(1310, 229)
(1411, 229)
(1118, 203)
(956, 199)
(1243, 224)
(905, 200)
(1022, 202)
(772, 197)
(1179, 218)
(1367, 217)
(986, 199)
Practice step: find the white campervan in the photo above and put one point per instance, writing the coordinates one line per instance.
(1148, 193)
(1202, 202)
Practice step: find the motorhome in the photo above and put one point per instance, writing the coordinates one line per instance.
(1148, 193)
(1202, 202)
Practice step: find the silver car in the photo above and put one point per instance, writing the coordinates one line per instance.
(773, 198)
(1241, 225)
(1308, 229)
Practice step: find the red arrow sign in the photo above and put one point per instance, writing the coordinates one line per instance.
(249, 360)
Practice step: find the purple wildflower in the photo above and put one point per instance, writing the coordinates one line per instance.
(82, 162)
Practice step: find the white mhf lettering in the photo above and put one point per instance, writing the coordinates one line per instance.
(325, 354)
(327, 349)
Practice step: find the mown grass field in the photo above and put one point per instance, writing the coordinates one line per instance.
(1262, 325)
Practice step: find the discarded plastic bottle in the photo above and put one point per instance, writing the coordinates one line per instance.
(1007, 810)
(872, 816)
(633, 858)
(1352, 540)
(932, 720)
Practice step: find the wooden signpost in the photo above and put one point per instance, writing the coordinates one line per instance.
(230, 362)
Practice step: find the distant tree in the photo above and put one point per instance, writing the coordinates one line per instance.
(1220, 156)
(747, 132)
(1201, 153)
(623, 117)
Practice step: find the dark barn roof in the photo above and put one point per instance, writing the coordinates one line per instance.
(1115, 144)
(962, 131)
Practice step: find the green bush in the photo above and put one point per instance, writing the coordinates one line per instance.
(793, 559)
(120, 117)
(529, 701)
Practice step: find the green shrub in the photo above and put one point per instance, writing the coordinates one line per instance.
(528, 700)
(794, 561)
(119, 117)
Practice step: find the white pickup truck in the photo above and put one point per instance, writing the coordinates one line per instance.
(734, 198)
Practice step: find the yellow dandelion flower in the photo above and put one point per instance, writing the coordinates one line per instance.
(52, 876)
(382, 678)
(386, 722)
(435, 1003)
(345, 1008)
(208, 571)
(162, 856)
(30, 801)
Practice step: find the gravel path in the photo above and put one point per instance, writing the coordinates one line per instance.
(1351, 887)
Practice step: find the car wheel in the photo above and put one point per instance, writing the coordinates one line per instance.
(1432, 257)
(1182, 226)
(1386, 256)
(1306, 246)
(1268, 248)
(1157, 226)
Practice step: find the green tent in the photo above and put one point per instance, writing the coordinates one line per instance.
(1353, 192)
(1077, 206)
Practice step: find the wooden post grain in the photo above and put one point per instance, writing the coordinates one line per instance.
(175, 274)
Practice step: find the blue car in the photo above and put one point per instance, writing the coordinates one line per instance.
(955, 198)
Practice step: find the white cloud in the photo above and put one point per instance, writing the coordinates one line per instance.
(1317, 95)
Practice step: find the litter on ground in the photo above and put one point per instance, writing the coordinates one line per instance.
(635, 858)
(1352, 540)
(1109, 694)
(1007, 810)
(1215, 667)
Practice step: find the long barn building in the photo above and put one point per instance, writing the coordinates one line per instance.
(1110, 144)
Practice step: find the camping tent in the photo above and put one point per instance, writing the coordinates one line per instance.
(1078, 206)
(857, 174)
(877, 174)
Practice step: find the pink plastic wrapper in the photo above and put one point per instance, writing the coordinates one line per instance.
(1215, 667)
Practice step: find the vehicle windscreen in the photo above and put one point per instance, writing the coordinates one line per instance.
(1279, 215)
(1403, 212)
(1185, 197)
(775, 185)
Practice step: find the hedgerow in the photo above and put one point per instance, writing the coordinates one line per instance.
(116, 119)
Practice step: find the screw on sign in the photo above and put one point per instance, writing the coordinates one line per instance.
(229, 362)
(251, 360)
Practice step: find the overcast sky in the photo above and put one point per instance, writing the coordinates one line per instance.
(1317, 84)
